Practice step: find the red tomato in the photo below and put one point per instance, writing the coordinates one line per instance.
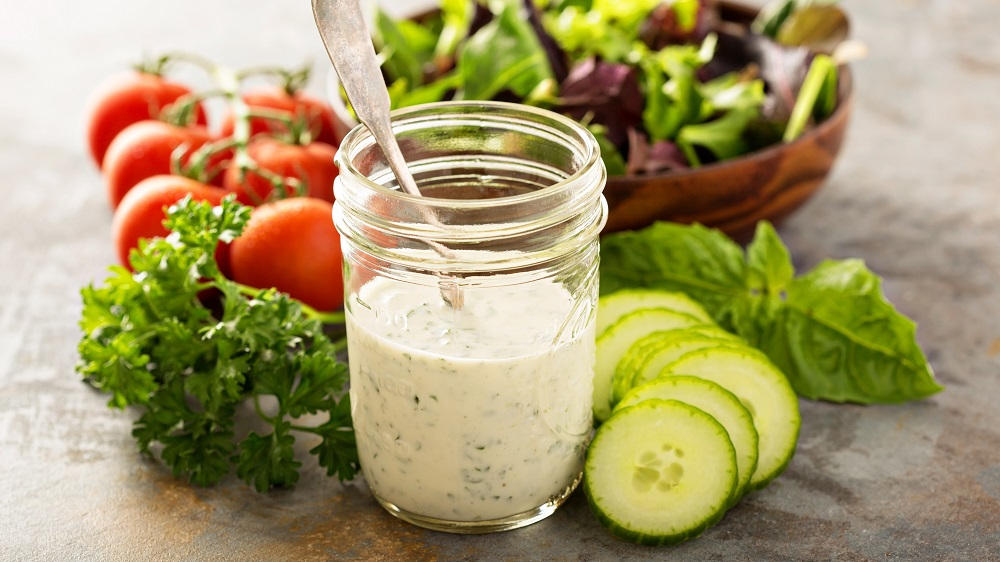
(143, 209)
(125, 99)
(292, 245)
(321, 120)
(312, 164)
(142, 150)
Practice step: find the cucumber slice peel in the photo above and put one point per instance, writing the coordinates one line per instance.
(638, 350)
(644, 364)
(717, 402)
(660, 472)
(612, 307)
(762, 389)
(616, 340)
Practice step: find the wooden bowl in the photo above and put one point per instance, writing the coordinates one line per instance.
(734, 194)
(731, 195)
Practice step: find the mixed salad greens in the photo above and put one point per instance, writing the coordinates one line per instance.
(663, 84)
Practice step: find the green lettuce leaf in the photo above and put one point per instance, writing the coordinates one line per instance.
(406, 47)
(730, 91)
(456, 15)
(722, 137)
(503, 55)
(673, 98)
(614, 163)
(607, 28)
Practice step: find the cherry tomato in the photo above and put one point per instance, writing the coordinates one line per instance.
(292, 245)
(311, 164)
(143, 209)
(125, 99)
(142, 150)
(321, 121)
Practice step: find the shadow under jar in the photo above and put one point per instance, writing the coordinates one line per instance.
(472, 417)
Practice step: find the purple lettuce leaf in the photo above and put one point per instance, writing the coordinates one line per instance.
(558, 60)
(606, 93)
(645, 158)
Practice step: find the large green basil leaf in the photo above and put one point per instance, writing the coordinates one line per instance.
(770, 265)
(839, 339)
(769, 272)
(831, 331)
(696, 260)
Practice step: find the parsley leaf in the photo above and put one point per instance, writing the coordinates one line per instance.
(150, 341)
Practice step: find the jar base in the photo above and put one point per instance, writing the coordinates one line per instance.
(508, 523)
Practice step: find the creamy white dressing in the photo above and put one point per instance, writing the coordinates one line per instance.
(472, 414)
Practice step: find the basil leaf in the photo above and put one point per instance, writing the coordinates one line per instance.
(838, 339)
(504, 55)
(699, 261)
(831, 331)
(769, 272)
(770, 265)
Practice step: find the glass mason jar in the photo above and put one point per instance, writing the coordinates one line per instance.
(470, 311)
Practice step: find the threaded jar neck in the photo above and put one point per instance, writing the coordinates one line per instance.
(519, 183)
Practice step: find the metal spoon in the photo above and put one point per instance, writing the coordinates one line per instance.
(348, 42)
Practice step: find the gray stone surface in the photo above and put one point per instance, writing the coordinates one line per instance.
(915, 194)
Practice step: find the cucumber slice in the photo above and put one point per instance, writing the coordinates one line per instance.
(715, 401)
(643, 363)
(660, 472)
(638, 350)
(612, 307)
(616, 340)
(762, 389)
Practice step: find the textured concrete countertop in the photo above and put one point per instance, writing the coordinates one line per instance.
(916, 194)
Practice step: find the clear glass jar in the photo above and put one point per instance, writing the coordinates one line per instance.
(472, 364)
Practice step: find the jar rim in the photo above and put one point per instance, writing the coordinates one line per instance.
(360, 134)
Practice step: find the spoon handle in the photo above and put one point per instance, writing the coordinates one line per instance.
(349, 45)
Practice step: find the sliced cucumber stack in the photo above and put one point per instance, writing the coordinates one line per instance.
(693, 418)
(616, 340)
(660, 472)
(717, 402)
(644, 364)
(762, 389)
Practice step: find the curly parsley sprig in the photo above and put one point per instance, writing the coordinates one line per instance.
(151, 342)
